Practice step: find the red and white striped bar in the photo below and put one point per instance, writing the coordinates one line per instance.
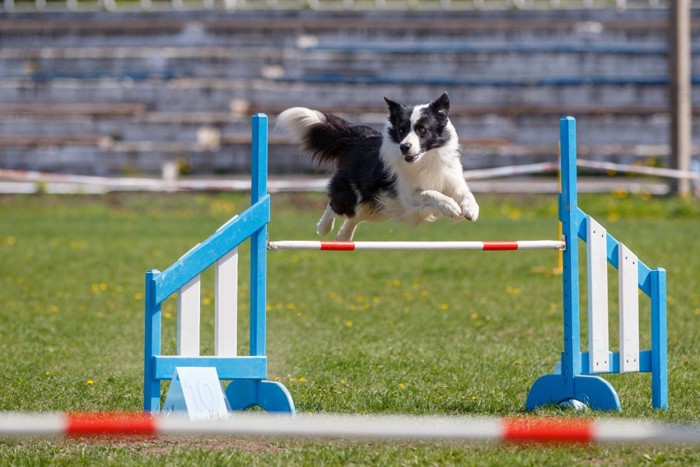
(316, 245)
(323, 426)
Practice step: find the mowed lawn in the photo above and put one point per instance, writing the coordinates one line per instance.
(452, 333)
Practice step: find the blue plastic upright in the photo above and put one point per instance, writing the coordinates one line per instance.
(573, 380)
(247, 374)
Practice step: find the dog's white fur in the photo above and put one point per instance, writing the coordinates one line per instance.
(433, 184)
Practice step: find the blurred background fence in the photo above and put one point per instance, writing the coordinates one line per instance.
(120, 93)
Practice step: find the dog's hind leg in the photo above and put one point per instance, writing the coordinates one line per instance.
(325, 225)
(347, 230)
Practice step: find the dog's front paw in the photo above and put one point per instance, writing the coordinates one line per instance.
(450, 208)
(470, 209)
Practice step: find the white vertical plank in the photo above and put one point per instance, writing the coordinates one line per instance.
(598, 339)
(629, 309)
(188, 305)
(226, 305)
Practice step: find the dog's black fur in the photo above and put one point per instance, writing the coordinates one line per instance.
(352, 152)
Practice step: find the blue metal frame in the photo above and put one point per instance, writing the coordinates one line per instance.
(573, 380)
(248, 386)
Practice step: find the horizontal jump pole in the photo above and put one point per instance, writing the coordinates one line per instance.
(368, 427)
(316, 245)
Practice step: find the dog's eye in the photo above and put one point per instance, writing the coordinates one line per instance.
(420, 131)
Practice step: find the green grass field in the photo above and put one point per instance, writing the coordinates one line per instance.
(384, 332)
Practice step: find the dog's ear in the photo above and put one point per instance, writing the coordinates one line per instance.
(441, 105)
(394, 106)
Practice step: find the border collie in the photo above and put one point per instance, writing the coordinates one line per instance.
(409, 173)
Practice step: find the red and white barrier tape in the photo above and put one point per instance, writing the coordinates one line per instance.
(425, 246)
(536, 430)
(641, 170)
(301, 184)
(158, 185)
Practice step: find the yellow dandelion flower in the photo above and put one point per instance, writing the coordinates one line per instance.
(11, 240)
(348, 324)
(444, 306)
(513, 291)
(89, 382)
(138, 296)
(613, 216)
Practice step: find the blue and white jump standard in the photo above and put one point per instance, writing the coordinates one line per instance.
(248, 374)
(574, 381)
(576, 376)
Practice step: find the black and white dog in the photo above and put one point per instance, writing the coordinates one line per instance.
(409, 173)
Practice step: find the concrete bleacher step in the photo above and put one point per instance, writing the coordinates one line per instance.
(219, 95)
(455, 60)
(527, 125)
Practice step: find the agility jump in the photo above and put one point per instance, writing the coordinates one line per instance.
(575, 381)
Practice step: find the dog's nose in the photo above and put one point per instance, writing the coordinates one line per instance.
(405, 147)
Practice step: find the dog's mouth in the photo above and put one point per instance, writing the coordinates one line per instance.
(411, 158)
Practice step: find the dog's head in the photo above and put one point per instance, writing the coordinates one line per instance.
(417, 130)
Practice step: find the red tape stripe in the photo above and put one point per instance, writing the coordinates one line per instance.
(548, 430)
(500, 246)
(84, 424)
(337, 246)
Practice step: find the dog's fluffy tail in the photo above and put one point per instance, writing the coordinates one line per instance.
(326, 137)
